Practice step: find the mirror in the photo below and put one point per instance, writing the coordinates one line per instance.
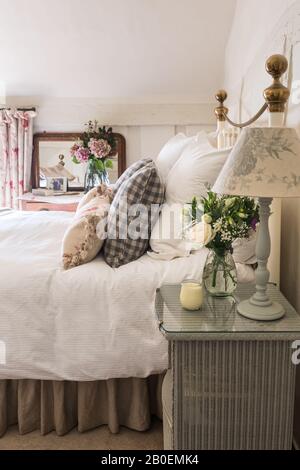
(51, 157)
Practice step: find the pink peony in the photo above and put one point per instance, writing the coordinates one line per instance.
(100, 148)
(74, 149)
(82, 154)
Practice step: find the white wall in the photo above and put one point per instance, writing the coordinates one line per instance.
(145, 67)
(261, 28)
(145, 51)
(254, 21)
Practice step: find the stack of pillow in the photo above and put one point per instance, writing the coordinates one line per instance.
(113, 212)
(188, 165)
(182, 170)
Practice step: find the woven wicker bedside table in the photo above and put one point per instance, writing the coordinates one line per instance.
(231, 381)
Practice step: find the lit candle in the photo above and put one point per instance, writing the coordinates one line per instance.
(191, 295)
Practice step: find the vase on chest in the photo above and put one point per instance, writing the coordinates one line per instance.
(219, 274)
(95, 175)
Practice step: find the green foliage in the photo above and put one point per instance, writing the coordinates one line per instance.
(109, 164)
(194, 209)
(74, 160)
(230, 217)
(99, 165)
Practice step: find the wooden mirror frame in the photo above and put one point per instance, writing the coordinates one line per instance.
(69, 137)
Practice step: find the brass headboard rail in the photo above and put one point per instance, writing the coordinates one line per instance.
(276, 95)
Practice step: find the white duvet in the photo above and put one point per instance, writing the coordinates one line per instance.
(89, 323)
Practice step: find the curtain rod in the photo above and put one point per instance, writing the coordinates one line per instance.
(19, 109)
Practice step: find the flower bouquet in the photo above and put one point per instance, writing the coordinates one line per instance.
(94, 148)
(225, 219)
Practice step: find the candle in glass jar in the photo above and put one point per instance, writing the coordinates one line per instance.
(191, 295)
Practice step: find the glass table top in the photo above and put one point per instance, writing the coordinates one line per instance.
(220, 315)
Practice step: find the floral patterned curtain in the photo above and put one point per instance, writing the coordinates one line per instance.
(16, 132)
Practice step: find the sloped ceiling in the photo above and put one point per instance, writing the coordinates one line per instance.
(118, 50)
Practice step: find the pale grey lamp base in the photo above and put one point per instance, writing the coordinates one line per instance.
(274, 311)
(260, 307)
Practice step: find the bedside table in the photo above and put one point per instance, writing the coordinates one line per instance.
(50, 203)
(231, 381)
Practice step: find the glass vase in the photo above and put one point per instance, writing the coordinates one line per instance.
(219, 274)
(94, 176)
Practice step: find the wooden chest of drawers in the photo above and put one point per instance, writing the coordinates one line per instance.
(46, 206)
(65, 203)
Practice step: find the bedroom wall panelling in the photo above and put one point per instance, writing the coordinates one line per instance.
(146, 127)
(146, 141)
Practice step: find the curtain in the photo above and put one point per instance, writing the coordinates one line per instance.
(16, 133)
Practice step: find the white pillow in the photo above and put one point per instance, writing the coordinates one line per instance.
(244, 249)
(167, 240)
(213, 138)
(172, 151)
(199, 165)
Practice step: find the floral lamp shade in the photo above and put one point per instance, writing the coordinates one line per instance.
(265, 162)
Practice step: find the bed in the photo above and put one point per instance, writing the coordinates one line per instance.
(82, 347)
(78, 344)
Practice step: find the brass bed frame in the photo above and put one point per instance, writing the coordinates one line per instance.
(276, 98)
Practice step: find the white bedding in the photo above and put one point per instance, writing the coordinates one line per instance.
(89, 323)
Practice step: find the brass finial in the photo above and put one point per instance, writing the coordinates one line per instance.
(221, 110)
(61, 159)
(277, 94)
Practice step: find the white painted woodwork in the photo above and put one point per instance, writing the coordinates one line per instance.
(276, 119)
(153, 138)
(70, 114)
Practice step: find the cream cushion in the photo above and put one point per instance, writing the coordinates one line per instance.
(95, 192)
(85, 237)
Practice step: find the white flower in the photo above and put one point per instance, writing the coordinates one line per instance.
(206, 219)
(229, 202)
(200, 233)
(209, 234)
(218, 225)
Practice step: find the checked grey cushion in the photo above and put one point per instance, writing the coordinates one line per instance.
(129, 172)
(129, 225)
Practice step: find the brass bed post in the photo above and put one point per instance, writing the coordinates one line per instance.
(221, 112)
(276, 97)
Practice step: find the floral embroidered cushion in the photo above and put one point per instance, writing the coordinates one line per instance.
(94, 192)
(85, 237)
(134, 210)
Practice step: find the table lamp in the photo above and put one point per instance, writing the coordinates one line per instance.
(264, 163)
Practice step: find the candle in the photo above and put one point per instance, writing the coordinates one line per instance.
(191, 295)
